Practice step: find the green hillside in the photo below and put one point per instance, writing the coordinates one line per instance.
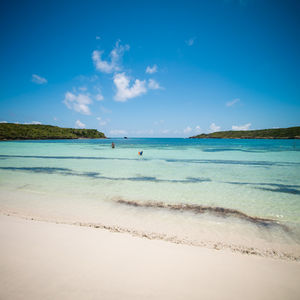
(11, 131)
(278, 133)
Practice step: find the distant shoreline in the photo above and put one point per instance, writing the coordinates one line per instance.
(11, 132)
(203, 138)
(290, 133)
(248, 138)
(52, 139)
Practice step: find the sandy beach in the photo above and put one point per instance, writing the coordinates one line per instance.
(41, 260)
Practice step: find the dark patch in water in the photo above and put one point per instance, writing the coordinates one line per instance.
(46, 170)
(280, 190)
(195, 179)
(97, 175)
(89, 174)
(66, 157)
(142, 178)
(233, 162)
(278, 187)
(50, 170)
(264, 183)
(200, 161)
(230, 149)
(200, 209)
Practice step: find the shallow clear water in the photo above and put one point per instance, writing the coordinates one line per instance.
(172, 190)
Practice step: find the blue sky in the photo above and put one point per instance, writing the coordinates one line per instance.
(151, 68)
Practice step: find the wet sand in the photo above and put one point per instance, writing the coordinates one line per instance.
(41, 260)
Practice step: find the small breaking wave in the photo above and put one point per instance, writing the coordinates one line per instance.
(167, 238)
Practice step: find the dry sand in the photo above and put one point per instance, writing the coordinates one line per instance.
(40, 260)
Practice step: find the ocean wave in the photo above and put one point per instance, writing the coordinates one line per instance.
(216, 245)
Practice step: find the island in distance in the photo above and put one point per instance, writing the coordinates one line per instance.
(12, 131)
(276, 133)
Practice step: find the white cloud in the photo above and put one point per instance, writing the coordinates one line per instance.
(84, 79)
(83, 88)
(33, 122)
(213, 127)
(159, 122)
(125, 92)
(143, 132)
(38, 79)
(153, 84)
(151, 70)
(102, 122)
(118, 132)
(102, 65)
(234, 101)
(99, 97)
(191, 41)
(79, 103)
(115, 57)
(3, 121)
(105, 110)
(198, 129)
(165, 131)
(187, 129)
(241, 127)
(79, 124)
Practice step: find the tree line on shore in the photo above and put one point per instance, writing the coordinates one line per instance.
(12, 131)
(274, 133)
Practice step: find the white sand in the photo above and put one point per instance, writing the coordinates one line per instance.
(40, 260)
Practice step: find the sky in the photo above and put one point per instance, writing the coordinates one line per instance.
(151, 68)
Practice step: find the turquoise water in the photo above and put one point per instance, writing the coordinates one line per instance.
(173, 190)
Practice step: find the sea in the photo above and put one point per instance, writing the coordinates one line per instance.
(234, 194)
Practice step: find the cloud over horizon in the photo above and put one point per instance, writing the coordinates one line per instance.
(213, 127)
(188, 129)
(79, 124)
(102, 122)
(197, 129)
(117, 132)
(241, 127)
